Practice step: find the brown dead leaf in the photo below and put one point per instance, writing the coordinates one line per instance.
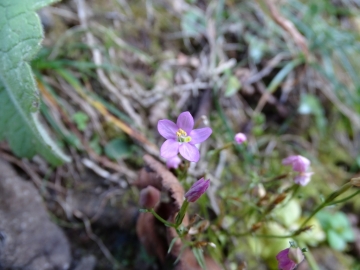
(154, 235)
(157, 175)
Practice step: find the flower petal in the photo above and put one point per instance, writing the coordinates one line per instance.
(167, 129)
(200, 135)
(303, 179)
(169, 149)
(197, 190)
(173, 163)
(299, 163)
(189, 152)
(185, 121)
(289, 160)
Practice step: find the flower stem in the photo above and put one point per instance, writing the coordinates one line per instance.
(310, 259)
(169, 224)
(218, 150)
(346, 198)
(180, 216)
(328, 200)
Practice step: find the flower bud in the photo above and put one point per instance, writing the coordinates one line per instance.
(197, 190)
(289, 258)
(240, 138)
(296, 255)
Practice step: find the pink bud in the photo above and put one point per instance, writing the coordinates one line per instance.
(240, 138)
(296, 255)
(289, 258)
(197, 190)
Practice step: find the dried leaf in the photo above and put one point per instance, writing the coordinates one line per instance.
(155, 237)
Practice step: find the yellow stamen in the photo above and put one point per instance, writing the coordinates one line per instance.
(181, 133)
(182, 136)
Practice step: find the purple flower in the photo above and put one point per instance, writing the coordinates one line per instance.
(240, 138)
(289, 258)
(197, 189)
(299, 163)
(181, 137)
(173, 163)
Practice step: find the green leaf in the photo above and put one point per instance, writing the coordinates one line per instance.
(172, 244)
(281, 75)
(81, 120)
(20, 38)
(335, 240)
(193, 22)
(233, 86)
(348, 234)
(198, 253)
(95, 145)
(325, 219)
(117, 149)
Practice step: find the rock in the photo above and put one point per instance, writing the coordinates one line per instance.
(28, 239)
(88, 263)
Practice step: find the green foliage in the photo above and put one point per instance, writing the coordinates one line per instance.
(193, 23)
(95, 145)
(117, 149)
(81, 120)
(338, 229)
(198, 253)
(233, 86)
(20, 37)
(310, 104)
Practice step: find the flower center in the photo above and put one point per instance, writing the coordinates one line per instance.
(182, 136)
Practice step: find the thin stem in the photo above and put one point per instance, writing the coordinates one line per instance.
(264, 235)
(225, 146)
(310, 258)
(346, 198)
(274, 236)
(180, 216)
(152, 211)
(327, 202)
(317, 209)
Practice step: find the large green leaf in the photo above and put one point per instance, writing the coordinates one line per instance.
(20, 37)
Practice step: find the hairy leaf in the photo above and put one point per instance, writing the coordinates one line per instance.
(20, 38)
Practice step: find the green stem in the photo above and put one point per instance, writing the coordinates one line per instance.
(346, 198)
(328, 200)
(273, 236)
(218, 150)
(169, 224)
(310, 258)
(180, 216)
(225, 146)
